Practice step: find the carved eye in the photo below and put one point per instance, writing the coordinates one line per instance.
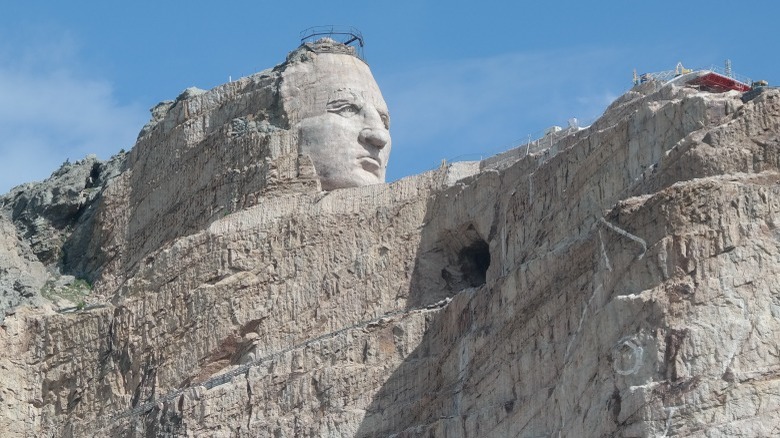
(344, 109)
(385, 120)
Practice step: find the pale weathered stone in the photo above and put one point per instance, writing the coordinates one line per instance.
(617, 280)
(22, 275)
(339, 116)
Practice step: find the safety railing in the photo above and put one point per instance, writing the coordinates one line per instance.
(347, 35)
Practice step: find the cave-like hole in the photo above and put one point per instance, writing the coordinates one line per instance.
(454, 259)
(474, 261)
(94, 175)
(466, 257)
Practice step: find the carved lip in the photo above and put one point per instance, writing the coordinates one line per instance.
(370, 164)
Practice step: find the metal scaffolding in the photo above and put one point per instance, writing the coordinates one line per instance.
(715, 79)
(347, 35)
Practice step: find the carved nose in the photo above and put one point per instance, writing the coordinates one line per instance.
(377, 138)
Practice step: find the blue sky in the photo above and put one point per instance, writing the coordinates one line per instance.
(462, 79)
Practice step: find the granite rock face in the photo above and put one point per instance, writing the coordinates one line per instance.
(47, 231)
(22, 275)
(617, 280)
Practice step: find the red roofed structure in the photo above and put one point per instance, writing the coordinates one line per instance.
(712, 79)
(718, 83)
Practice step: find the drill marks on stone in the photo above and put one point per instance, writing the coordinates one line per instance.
(627, 351)
(604, 253)
(745, 327)
(579, 325)
(670, 410)
(504, 264)
(627, 235)
(249, 400)
(567, 353)
(507, 407)
(746, 330)
(463, 372)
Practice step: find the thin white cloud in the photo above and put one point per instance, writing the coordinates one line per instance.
(481, 106)
(51, 110)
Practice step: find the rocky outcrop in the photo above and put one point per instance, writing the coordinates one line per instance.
(22, 275)
(618, 280)
(49, 247)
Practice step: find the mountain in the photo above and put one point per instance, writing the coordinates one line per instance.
(613, 280)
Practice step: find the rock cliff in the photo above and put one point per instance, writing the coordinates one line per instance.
(617, 280)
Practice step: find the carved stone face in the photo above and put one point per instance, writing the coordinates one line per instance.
(341, 119)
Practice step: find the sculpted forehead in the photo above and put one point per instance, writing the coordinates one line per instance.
(307, 87)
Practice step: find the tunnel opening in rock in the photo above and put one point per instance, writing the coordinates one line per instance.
(474, 261)
(454, 259)
(467, 259)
